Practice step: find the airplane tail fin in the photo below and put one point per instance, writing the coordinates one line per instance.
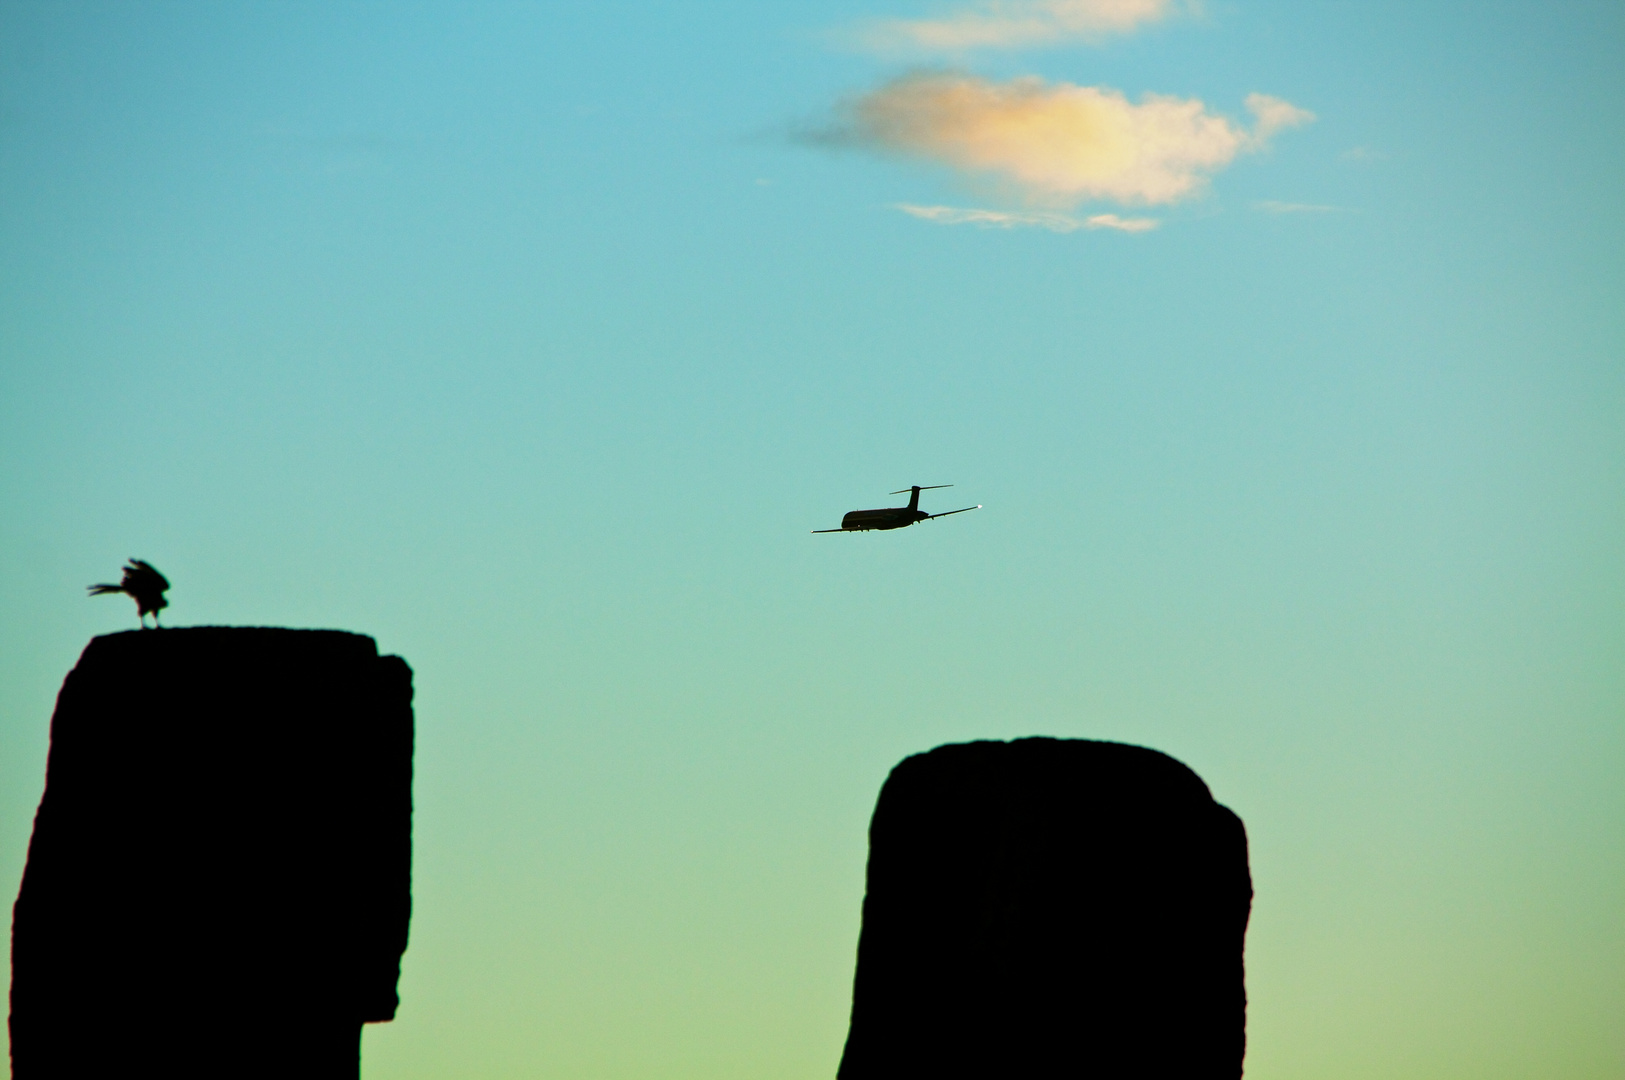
(914, 493)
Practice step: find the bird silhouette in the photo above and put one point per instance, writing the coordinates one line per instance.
(142, 583)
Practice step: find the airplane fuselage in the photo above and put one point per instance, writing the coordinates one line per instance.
(893, 517)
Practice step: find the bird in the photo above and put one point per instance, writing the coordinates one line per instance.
(142, 583)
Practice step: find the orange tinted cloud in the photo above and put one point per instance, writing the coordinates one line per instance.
(1016, 23)
(1060, 144)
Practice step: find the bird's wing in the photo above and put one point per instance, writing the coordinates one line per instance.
(832, 530)
(140, 568)
(100, 590)
(945, 513)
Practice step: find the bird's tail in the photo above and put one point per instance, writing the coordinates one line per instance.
(101, 590)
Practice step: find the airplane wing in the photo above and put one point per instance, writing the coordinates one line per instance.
(945, 513)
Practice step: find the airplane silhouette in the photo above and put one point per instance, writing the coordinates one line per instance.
(142, 583)
(894, 517)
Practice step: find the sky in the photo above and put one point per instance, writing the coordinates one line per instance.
(1283, 344)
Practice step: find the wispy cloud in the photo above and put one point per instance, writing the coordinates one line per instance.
(1271, 206)
(1006, 219)
(1011, 24)
(1059, 144)
(1363, 153)
(1272, 115)
(1121, 224)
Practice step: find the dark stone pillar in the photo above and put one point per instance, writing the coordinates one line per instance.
(219, 880)
(1049, 909)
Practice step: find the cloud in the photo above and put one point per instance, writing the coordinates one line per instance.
(1272, 115)
(1013, 24)
(1271, 206)
(1005, 219)
(1059, 144)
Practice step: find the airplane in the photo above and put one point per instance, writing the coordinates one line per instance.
(894, 517)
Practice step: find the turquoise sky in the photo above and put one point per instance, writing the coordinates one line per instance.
(534, 339)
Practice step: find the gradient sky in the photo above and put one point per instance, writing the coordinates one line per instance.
(534, 339)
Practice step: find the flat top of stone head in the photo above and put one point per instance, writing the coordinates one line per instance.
(164, 674)
(1103, 767)
(260, 639)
